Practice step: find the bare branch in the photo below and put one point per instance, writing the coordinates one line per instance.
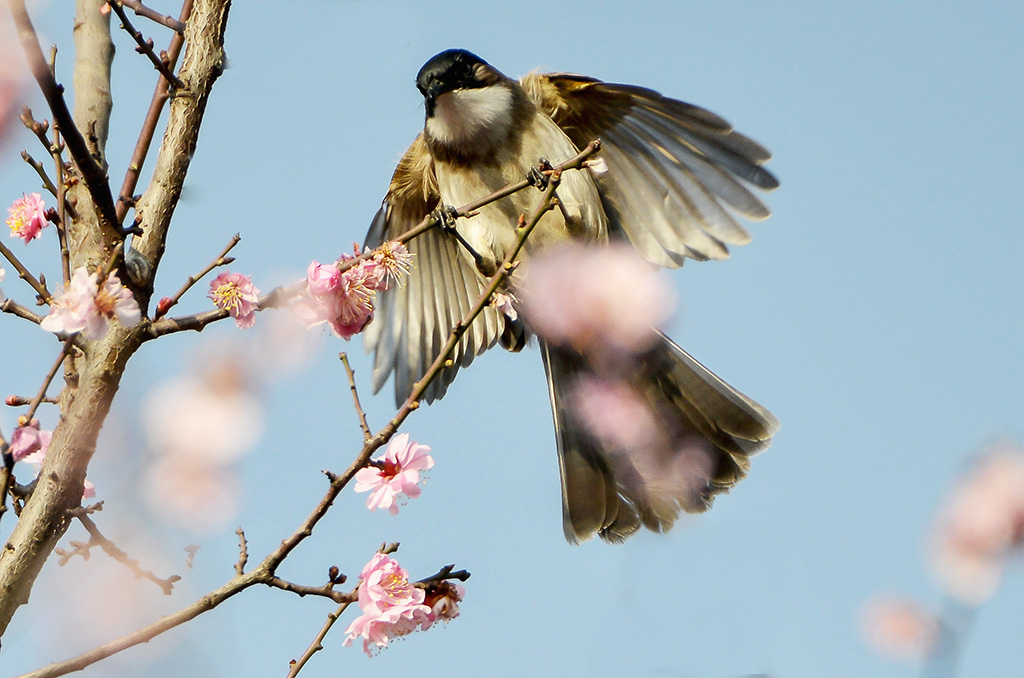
(96, 538)
(243, 552)
(162, 19)
(23, 273)
(202, 65)
(355, 396)
(145, 46)
(156, 106)
(326, 591)
(38, 167)
(69, 345)
(296, 665)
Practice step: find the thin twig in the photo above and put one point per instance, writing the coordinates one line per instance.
(96, 538)
(221, 259)
(156, 107)
(145, 46)
(38, 167)
(23, 273)
(243, 552)
(14, 308)
(69, 345)
(326, 591)
(296, 664)
(355, 396)
(152, 14)
(92, 173)
(21, 401)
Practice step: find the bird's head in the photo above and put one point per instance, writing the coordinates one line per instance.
(467, 100)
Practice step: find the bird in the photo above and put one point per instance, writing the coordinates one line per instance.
(678, 177)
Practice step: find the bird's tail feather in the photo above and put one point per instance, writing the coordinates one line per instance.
(693, 439)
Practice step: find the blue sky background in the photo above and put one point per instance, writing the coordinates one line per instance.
(878, 314)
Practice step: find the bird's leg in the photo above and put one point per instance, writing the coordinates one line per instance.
(446, 216)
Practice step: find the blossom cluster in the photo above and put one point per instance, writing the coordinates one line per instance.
(27, 217)
(344, 300)
(394, 474)
(393, 606)
(86, 306)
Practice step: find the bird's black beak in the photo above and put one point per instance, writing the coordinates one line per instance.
(434, 89)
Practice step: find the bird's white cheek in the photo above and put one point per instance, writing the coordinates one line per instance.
(471, 115)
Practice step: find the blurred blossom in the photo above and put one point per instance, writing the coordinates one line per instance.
(595, 299)
(900, 628)
(29, 443)
(392, 606)
(614, 413)
(235, 293)
(198, 426)
(981, 526)
(27, 217)
(192, 494)
(86, 307)
(651, 459)
(396, 473)
(3, 274)
(12, 78)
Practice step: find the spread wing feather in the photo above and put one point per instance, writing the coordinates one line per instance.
(676, 171)
(413, 320)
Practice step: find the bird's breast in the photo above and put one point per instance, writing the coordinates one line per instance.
(492, 232)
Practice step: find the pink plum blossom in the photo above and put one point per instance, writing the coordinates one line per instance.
(394, 261)
(981, 526)
(27, 217)
(392, 606)
(235, 293)
(900, 628)
(29, 443)
(395, 474)
(342, 300)
(595, 299)
(87, 307)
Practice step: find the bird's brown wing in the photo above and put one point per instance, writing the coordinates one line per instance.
(413, 320)
(677, 173)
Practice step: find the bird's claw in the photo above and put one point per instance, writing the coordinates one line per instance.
(537, 175)
(446, 216)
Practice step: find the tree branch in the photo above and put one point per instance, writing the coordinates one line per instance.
(162, 19)
(144, 46)
(202, 65)
(156, 106)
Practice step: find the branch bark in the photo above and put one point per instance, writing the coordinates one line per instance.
(202, 65)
